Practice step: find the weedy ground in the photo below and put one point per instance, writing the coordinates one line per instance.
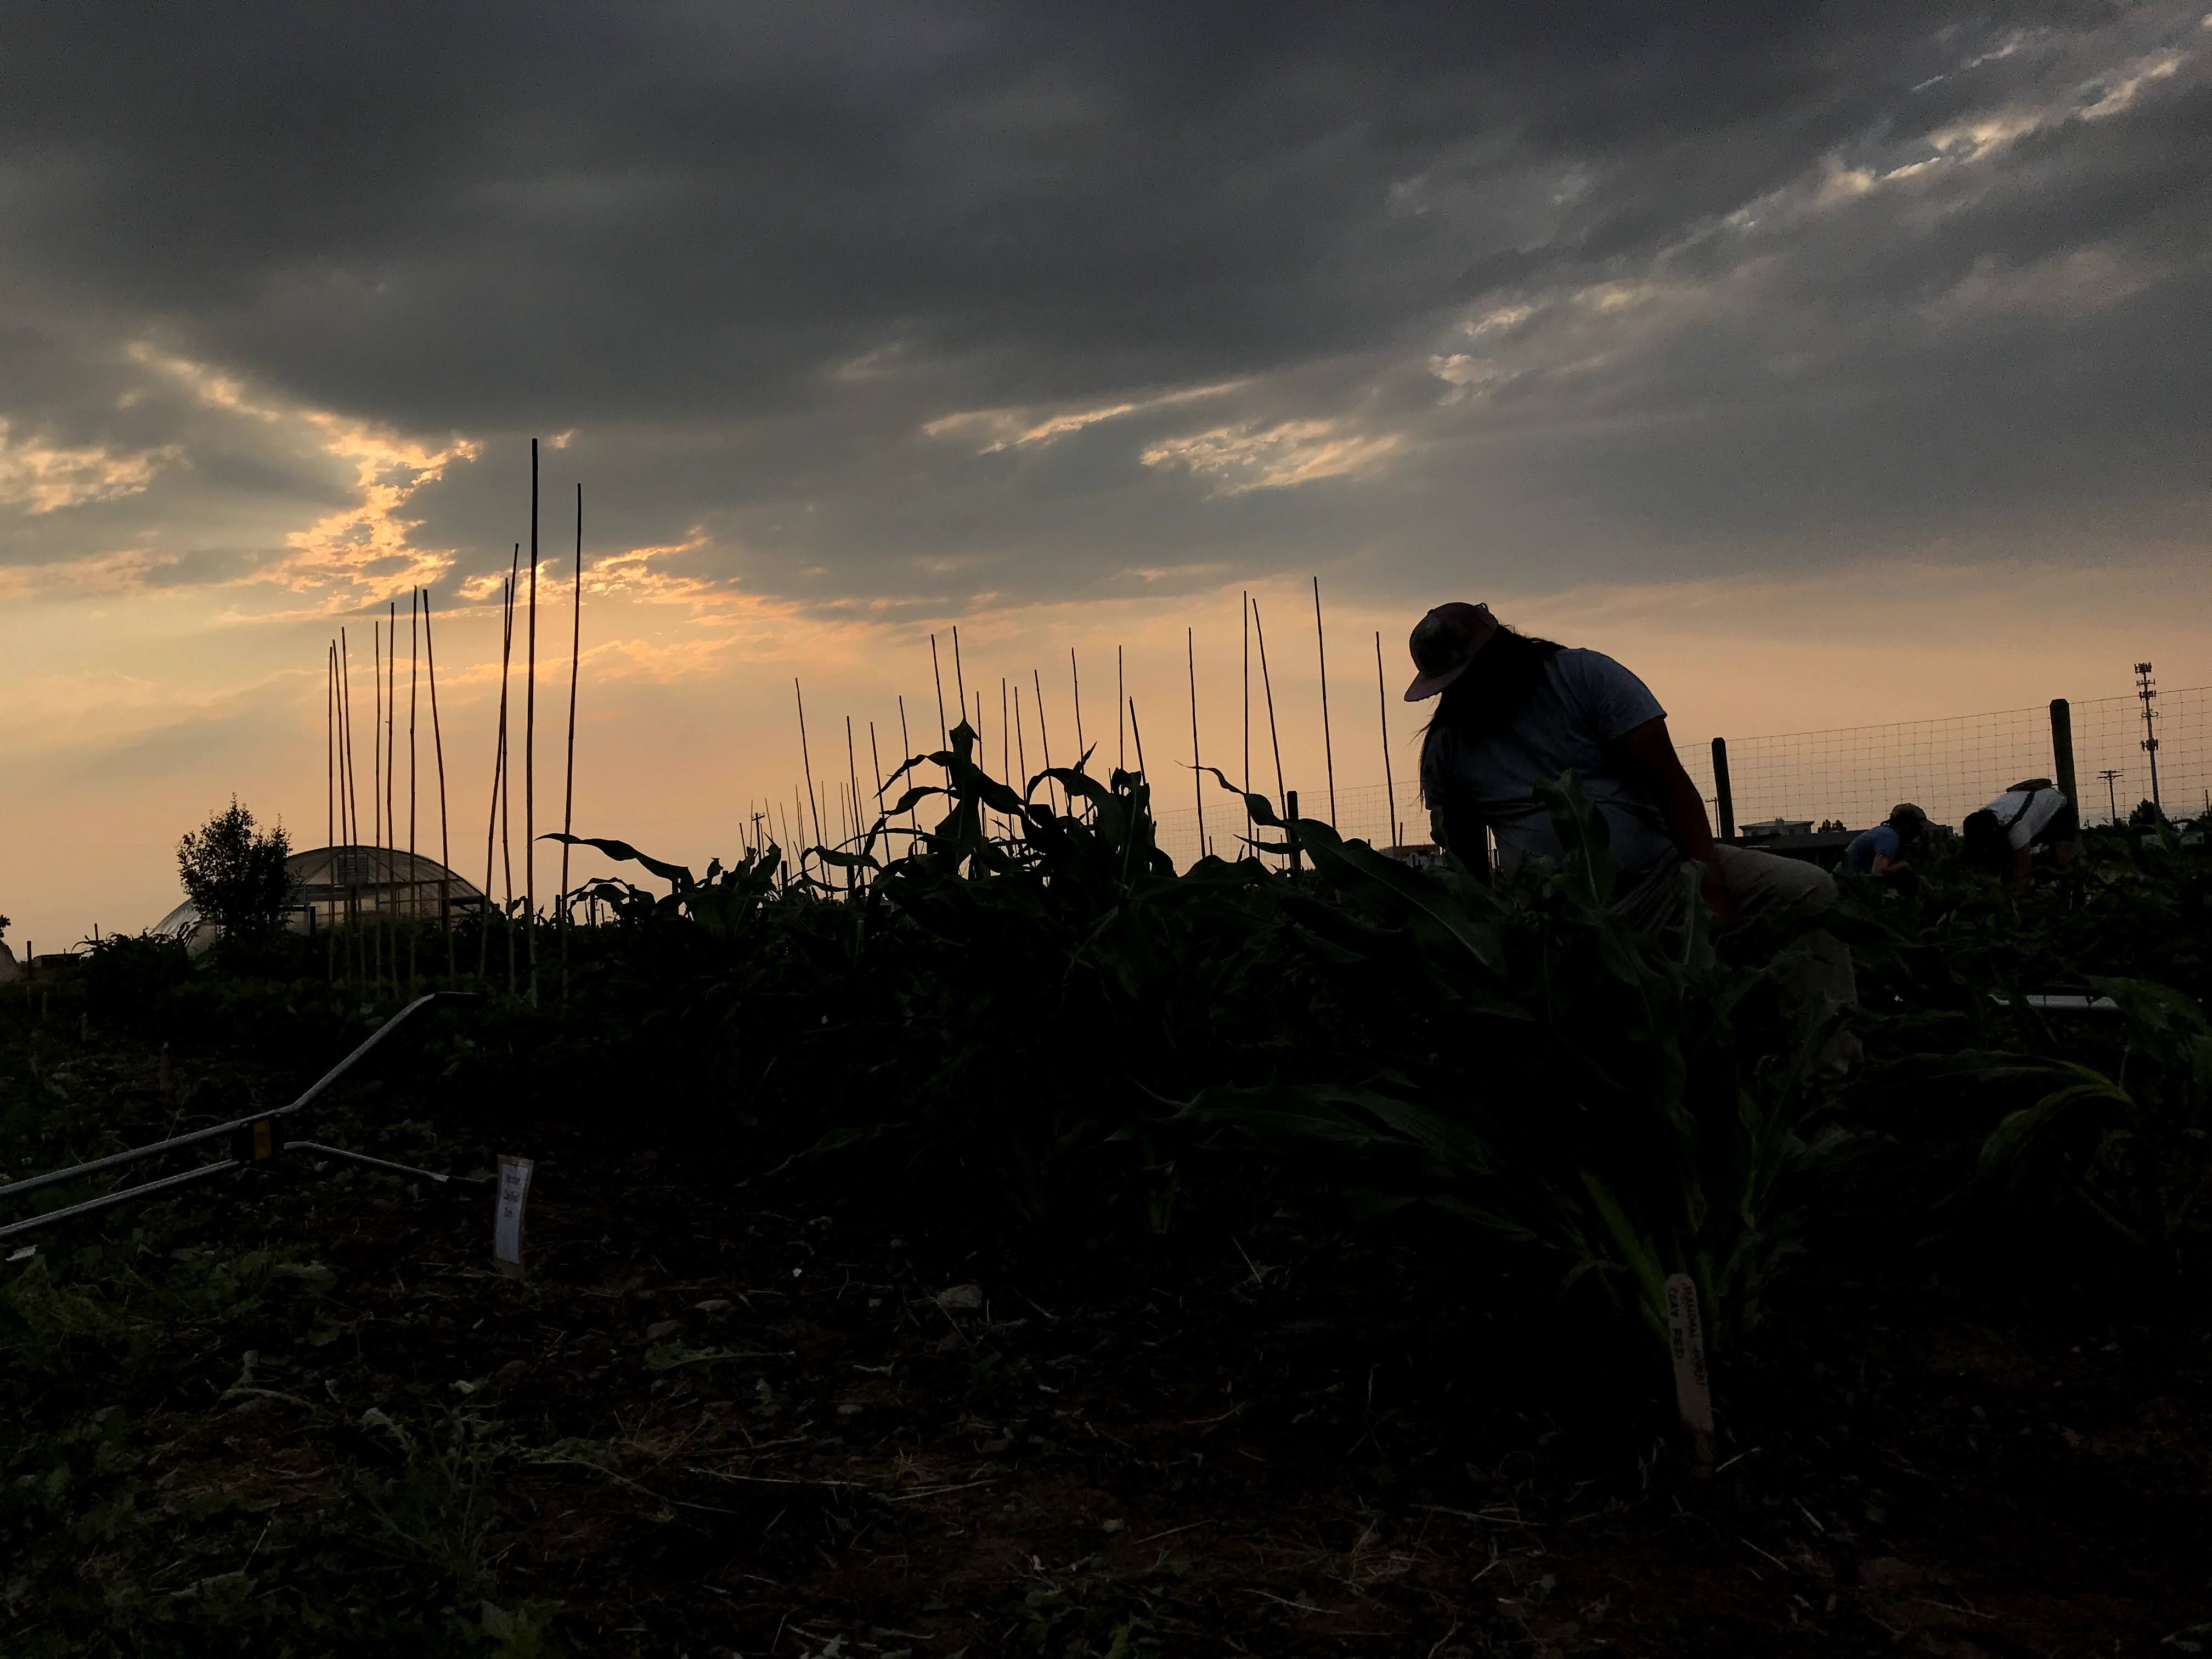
(1036, 1250)
(726, 1415)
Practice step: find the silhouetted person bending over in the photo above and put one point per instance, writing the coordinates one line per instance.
(1513, 712)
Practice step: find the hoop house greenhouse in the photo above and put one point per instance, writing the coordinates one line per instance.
(334, 885)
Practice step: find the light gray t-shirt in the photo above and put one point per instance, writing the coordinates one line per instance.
(1585, 702)
(2027, 813)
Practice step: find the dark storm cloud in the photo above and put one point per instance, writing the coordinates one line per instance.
(757, 257)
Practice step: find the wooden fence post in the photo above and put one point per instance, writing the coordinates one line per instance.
(2062, 748)
(1725, 797)
(1290, 818)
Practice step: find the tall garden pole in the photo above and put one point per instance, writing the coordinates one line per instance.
(1197, 778)
(1383, 704)
(352, 799)
(1121, 703)
(375, 940)
(330, 790)
(529, 748)
(438, 743)
(1260, 634)
(806, 759)
(499, 759)
(959, 684)
(506, 775)
(568, 790)
(876, 760)
(853, 768)
(1044, 736)
(1075, 683)
(1245, 615)
(1020, 752)
(906, 742)
(1327, 751)
(937, 675)
(414, 661)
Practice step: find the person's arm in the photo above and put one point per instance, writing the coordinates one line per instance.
(1461, 831)
(1883, 864)
(2023, 860)
(1646, 757)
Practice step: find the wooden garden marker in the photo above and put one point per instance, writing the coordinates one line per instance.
(1693, 1396)
(507, 1221)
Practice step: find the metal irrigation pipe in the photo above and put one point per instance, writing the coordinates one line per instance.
(193, 1138)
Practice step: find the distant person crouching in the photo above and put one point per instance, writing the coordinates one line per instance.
(2002, 836)
(1513, 713)
(1882, 851)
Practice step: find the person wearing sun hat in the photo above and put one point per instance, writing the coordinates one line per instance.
(1514, 711)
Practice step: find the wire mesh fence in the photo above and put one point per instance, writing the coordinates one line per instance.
(1950, 766)
(1854, 774)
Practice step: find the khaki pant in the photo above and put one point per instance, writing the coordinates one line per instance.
(1814, 971)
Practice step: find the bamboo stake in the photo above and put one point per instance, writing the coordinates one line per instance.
(331, 792)
(445, 844)
(876, 760)
(498, 773)
(914, 814)
(1197, 778)
(1121, 738)
(1075, 683)
(937, 676)
(1021, 753)
(1382, 705)
(1044, 736)
(1138, 732)
(1006, 739)
(345, 763)
(568, 790)
(387, 899)
(959, 683)
(1328, 754)
(506, 777)
(1260, 634)
(530, 749)
(1245, 613)
(853, 768)
(807, 759)
(375, 940)
(414, 654)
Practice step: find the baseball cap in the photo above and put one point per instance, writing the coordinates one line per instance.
(1444, 642)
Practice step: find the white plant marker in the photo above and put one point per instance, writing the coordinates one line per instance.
(506, 1225)
(1693, 1396)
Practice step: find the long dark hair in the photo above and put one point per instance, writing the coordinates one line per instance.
(1502, 677)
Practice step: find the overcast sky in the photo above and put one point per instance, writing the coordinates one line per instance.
(1872, 335)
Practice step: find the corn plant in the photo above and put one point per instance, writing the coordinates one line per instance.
(1559, 1081)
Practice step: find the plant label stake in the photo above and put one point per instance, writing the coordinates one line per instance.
(506, 1225)
(1693, 1396)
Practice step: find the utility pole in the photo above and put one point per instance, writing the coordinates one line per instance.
(2144, 690)
(2112, 791)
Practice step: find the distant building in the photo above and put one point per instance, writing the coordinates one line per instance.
(1770, 829)
(332, 886)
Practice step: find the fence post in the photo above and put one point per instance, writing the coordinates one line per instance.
(1724, 798)
(2062, 748)
(1291, 818)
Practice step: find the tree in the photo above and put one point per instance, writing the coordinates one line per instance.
(234, 874)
